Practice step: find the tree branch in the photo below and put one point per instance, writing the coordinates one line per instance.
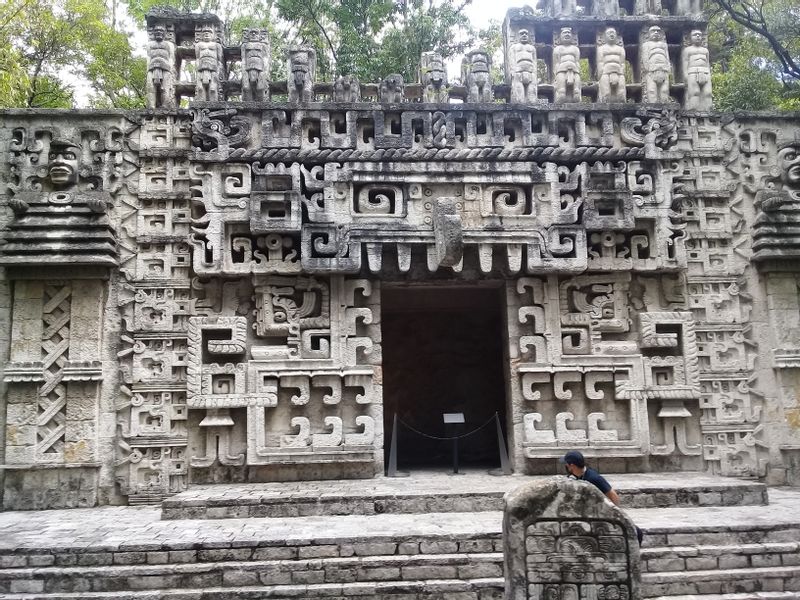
(758, 25)
(322, 30)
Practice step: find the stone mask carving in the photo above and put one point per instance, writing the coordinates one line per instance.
(62, 166)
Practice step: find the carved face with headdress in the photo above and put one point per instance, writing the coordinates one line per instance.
(610, 36)
(655, 33)
(789, 163)
(158, 33)
(63, 162)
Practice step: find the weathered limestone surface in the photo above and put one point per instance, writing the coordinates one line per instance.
(563, 539)
(194, 294)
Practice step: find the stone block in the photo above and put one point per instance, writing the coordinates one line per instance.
(790, 559)
(154, 582)
(95, 559)
(328, 550)
(438, 547)
(408, 548)
(157, 558)
(275, 553)
(765, 560)
(429, 572)
(225, 554)
(240, 578)
(701, 563)
(666, 564)
(29, 586)
(130, 558)
(378, 573)
(308, 576)
(182, 556)
(274, 575)
(41, 560)
(12, 561)
(733, 561)
(474, 546)
(480, 571)
(335, 574)
(709, 499)
(374, 548)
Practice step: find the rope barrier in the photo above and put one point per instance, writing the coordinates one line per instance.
(450, 438)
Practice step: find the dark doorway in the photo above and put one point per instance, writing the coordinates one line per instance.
(442, 353)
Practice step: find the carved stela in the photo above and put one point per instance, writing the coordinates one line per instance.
(197, 286)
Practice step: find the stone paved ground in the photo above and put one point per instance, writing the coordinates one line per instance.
(112, 528)
(428, 482)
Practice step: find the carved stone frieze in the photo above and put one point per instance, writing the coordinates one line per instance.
(197, 292)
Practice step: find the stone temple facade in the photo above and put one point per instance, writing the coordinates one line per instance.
(246, 281)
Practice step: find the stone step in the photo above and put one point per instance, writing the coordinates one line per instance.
(721, 581)
(439, 492)
(735, 596)
(728, 556)
(659, 538)
(253, 573)
(367, 544)
(435, 589)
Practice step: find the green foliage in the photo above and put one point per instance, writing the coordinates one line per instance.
(741, 84)
(755, 46)
(420, 27)
(13, 77)
(372, 39)
(491, 40)
(47, 42)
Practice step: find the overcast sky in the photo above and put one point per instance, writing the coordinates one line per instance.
(481, 11)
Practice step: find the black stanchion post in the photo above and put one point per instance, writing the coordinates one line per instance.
(452, 425)
(392, 470)
(505, 466)
(455, 455)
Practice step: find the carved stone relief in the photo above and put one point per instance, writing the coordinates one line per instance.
(200, 288)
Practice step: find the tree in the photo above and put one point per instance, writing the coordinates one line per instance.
(777, 22)
(755, 45)
(375, 38)
(43, 42)
(422, 26)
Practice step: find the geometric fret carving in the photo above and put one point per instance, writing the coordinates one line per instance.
(51, 417)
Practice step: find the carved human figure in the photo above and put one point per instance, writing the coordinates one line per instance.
(161, 69)
(302, 67)
(391, 89)
(562, 8)
(696, 66)
(476, 72)
(346, 89)
(255, 65)
(789, 165)
(433, 76)
(611, 67)
(63, 164)
(605, 9)
(208, 61)
(687, 8)
(522, 65)
(566, 68)
(647, 7)
(655, 66)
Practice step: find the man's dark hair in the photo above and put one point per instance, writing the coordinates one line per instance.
(573, 457)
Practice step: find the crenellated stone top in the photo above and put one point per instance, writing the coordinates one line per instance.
(601, 51)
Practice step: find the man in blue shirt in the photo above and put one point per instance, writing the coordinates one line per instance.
(575, 464)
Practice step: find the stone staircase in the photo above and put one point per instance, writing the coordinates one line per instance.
(710, 562)
(717, 552)
(410, 567)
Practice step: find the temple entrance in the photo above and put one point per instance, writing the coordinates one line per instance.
(443, 353)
